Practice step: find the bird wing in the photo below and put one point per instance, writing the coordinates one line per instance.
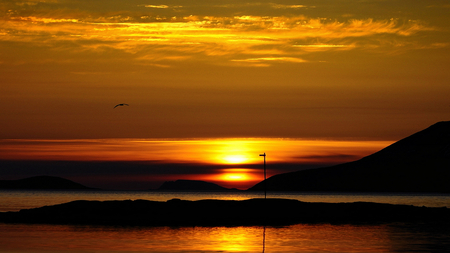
(120, 105)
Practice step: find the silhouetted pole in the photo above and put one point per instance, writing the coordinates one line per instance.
(265, 186)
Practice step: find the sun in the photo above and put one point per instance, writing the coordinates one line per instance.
(235, 159)
(236, 174)
(239, 178)
(235, 177)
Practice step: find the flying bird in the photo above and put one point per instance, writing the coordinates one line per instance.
(120, 105)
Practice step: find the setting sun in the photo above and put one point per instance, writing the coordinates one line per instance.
(242, 174)
(235, 177)
(239, 178)
(235, 159)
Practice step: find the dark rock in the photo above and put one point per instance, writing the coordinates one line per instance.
(252, 212)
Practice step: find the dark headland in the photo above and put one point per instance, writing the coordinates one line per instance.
(418, 163)
(252, 212)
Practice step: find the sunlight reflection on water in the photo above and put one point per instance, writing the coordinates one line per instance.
(296, 238)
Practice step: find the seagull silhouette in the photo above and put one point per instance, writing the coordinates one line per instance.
(120, 105)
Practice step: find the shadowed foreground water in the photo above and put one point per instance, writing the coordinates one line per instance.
(297, 238)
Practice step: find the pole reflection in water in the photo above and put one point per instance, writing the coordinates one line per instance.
(264, 239)
(297, 238)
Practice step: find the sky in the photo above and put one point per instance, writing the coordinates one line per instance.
(284, 74)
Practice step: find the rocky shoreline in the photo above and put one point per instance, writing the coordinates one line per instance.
(252, 212)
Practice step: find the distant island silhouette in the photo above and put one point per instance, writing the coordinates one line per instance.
(42, 183)
(58, 183)
(252, 212)
(418, 163)
(192, 185)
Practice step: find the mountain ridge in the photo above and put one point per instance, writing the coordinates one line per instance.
(417, 163)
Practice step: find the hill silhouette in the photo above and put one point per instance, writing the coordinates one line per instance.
(418, 163)
(42, 183)
(191, 185)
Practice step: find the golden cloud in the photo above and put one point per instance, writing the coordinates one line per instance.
(237, 37)
(265, 59)
(293, 6)
(157, 6)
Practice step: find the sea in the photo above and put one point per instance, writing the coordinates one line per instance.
(319, 237)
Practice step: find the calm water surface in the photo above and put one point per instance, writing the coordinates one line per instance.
(399, 237)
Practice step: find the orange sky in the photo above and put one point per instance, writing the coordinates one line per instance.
(208, 151)
(315, 70)
(233, 163)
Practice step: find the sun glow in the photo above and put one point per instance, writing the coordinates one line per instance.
(240, 174)
(235, 151)
(240, 178)
(231, 163)
(211, 151)
(235, 159)
(235, 177)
